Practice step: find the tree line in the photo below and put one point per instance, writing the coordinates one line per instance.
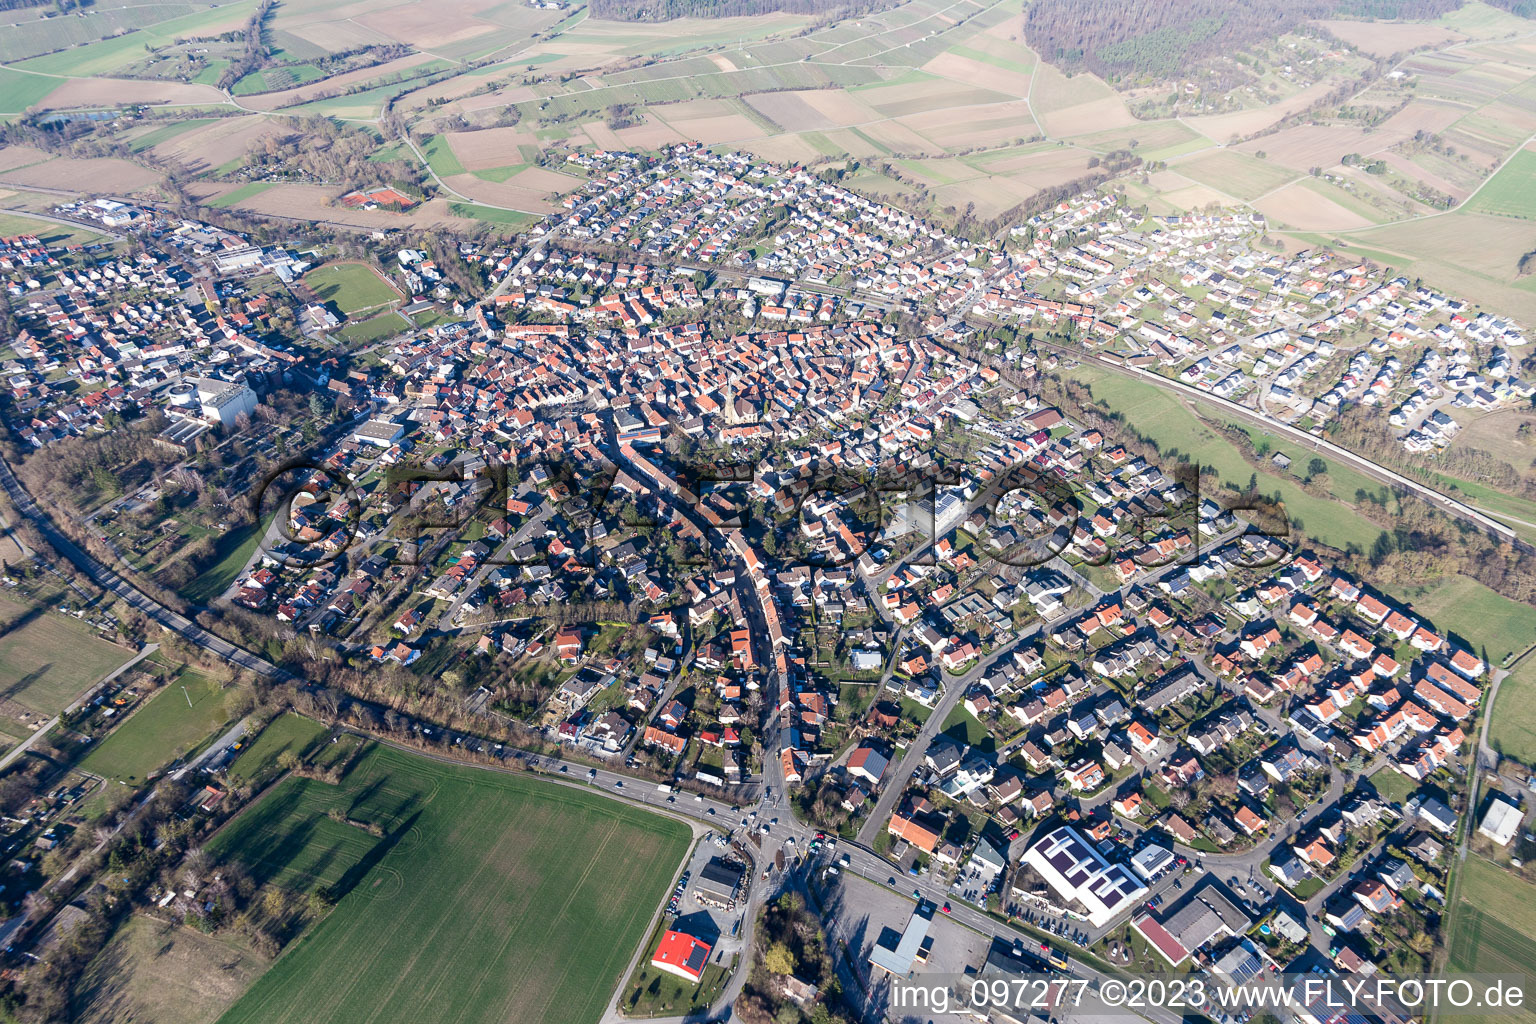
(1160, 38)
(255, 53)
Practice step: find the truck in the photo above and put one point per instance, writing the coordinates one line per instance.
(663, 788)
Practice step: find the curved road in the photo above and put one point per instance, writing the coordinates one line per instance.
(107, 579)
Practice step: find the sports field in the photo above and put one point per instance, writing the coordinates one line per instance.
(375, 328)
(353, 287)
(1494, 930)
(174, 723)
(492, 897)
(48, 659)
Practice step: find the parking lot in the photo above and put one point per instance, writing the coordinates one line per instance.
(955, 947)
(720, 928)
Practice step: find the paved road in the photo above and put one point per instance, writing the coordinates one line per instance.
(498, 557)
(233, 735)
(107, 579)
(955, 687)
(46, 727)
(1460, 510)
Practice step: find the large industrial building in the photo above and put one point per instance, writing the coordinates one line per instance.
(222, 401)
(1079, 873)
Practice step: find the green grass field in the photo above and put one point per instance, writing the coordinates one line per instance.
(19, 90)
(376, 328)
(1482, 617)
(1512, 727)
(234, 550)
(12, 224)
(506, 218)
(499, 174)
(1511, 192)
(1514, 511)
(48, 659)
(1494, 931)
(172, 724)
(241, 194)
(288, 733)
(272, 79)
(492, 897)
(353, 287)
(963, 726)
(1393, 785)
(441, 156)
(1158, 415)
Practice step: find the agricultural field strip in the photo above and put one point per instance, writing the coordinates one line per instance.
(1510, 155)
(183, 25)
(819, 57)
(1300, 177)
(812, 58)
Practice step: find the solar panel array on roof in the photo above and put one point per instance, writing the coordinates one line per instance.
(1241, 963)
(1079, 872)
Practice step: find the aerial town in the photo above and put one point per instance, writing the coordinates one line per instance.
(728, 493)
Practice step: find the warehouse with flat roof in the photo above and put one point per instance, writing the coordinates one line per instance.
(1078, 872)
(895, 957)
(718, 884)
